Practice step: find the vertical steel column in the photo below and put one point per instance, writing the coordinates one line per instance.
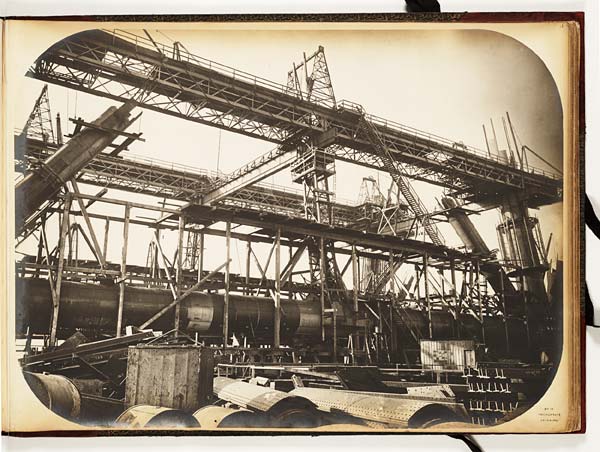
(277, 326)
(322, 284)
(64, 226)
(179, 274)
(123, 270)
(427, 299)
(226, 304)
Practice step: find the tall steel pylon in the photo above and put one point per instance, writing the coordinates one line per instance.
(310, 79)
(314, 168)
(39, 123)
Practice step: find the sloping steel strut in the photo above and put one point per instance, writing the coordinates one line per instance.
(46, 181)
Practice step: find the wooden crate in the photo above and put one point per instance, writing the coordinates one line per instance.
(179, 377)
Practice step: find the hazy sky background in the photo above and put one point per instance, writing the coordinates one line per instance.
(446, 82)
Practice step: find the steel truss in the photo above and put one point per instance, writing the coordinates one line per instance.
(123, 66)
(177, 182)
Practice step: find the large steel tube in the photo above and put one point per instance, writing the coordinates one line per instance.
(281, 408)
(94, 307)
(146, 416)
(213, 416)
(385, 409)
(469, 235)
(56, 392)
(468, 327)
(521, 247)
(45, 182)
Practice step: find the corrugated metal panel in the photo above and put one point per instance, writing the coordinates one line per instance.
(177, 377)
(447, 355)
(391, 409)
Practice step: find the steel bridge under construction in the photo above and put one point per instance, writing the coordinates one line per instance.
(362, 283)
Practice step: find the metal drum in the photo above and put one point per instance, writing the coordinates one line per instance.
(147, 416)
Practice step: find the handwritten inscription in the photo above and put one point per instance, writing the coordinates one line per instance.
(549, 414)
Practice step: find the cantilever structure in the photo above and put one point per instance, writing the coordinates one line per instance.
(365, 283)
(122, 66)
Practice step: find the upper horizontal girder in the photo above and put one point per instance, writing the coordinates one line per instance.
(123, 67)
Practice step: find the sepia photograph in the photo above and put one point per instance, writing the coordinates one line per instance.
(323, 227)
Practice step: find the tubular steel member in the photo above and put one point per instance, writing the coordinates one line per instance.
(522, 247)
(223, 417)
(56, 392)
(146, 416)
(471, 238)
(45, 182)
(93, 307)
(283, 410)
(386, 409)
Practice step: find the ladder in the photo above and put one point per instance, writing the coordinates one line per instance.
(396, 169)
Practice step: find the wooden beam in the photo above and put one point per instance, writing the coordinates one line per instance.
(256, 238)
(123, 271)
(64, 226)
(201, 256)
(322, 284)
(51, 278)
(105, 246)
(479, 300)
(226, 304)
(277, 326)
(355, 288)
(88, 222)
(289, 268)
(263, 272)
(428, 300)
(248, 257)
(179, 274)
(165, 265)
(392, 272)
